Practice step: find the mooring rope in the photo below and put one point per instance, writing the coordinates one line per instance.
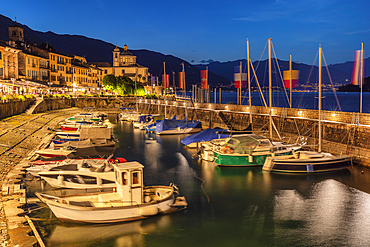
(203, 188)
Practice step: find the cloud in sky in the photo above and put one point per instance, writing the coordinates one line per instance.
(304, 11)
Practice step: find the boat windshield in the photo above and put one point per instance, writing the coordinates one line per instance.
(243, 144)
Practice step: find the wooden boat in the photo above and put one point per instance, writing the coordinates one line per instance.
(176, 126)
(249, 150)
(43, 166)
(130, 201)
(80, 174)
(307, 162)
(55, 152)
(87, 143)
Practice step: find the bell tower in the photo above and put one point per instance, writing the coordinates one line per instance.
(116, 57)
(16, 33)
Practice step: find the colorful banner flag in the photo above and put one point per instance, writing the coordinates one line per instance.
(295, 78)
(181, 79)
(204, 79)
(356, 73)
(239, 77)
(166, 83)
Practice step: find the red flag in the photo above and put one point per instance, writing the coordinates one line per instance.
(166, 82)
(181, 79)
(295, 78)
(204, 79)
(239, 77)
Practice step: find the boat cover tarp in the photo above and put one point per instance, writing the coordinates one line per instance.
(170, 124)
(144, 118)
(95, 133)
(205, 135)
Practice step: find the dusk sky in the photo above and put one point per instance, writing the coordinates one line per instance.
(204, 30)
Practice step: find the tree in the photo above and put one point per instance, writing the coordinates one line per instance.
(110, 82)
(139, 76)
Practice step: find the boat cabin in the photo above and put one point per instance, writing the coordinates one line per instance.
(129, 181)
(246, 144)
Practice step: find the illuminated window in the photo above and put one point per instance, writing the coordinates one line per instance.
(135, 178)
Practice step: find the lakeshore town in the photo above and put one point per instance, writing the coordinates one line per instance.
(31, 68)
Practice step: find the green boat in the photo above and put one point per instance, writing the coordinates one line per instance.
(249, 150)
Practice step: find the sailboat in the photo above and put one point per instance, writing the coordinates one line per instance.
(251, 149)
(306, 162)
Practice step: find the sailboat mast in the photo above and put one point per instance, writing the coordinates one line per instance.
(270, 89)
(249, 86)
(290, 81)
(319, 99)
(240, 85)
(361, 75)
(164, 76)
(183, 79)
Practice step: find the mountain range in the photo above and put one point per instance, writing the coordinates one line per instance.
(221, 74)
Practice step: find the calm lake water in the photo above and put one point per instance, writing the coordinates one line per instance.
(346, 101)
(227, 206)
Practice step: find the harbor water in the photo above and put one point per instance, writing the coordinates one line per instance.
(226, 206)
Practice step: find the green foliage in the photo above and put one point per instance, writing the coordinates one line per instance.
(21, 97)
(110, 82)
(67, 96)
(123, 84)
(151, 96)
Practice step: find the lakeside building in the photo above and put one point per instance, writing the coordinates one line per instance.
(24, 64)
(124, 64)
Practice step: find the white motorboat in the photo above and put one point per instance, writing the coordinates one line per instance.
(130, 201)
(55, 152)
(80, 174)
(307, 162)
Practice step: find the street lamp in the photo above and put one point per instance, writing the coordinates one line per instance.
(13, 80)
(74, 88)
(50, 83)
(28, 86)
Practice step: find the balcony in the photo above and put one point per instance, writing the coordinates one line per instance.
(33, 65)
(44, 66)
(53, 70)
(61, 62)
(69, 72)
(45, 78)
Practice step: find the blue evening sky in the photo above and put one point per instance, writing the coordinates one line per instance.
(203, 30)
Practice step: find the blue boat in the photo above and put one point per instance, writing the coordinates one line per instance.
(175, 126)
(205, 135)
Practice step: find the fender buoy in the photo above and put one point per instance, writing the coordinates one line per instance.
(226, 150)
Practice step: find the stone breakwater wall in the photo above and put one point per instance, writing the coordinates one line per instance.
(14, 107)
(342, 132)
(49, 104)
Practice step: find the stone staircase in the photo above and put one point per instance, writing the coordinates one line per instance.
(34, 105)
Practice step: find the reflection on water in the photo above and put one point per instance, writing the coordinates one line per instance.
(227, 206)
(126, 234)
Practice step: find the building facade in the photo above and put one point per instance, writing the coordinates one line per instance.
(124, 64)
(27, 62)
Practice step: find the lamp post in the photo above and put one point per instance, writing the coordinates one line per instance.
(28, 87)
(13, 80)
(50, 83)
(74, 88)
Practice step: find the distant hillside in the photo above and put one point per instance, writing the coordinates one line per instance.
(221, 74)
(340, 73)
(99, 51)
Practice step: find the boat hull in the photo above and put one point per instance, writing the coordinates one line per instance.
(236, 160)
(180, 131)
(107, 214)
(307, 166)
